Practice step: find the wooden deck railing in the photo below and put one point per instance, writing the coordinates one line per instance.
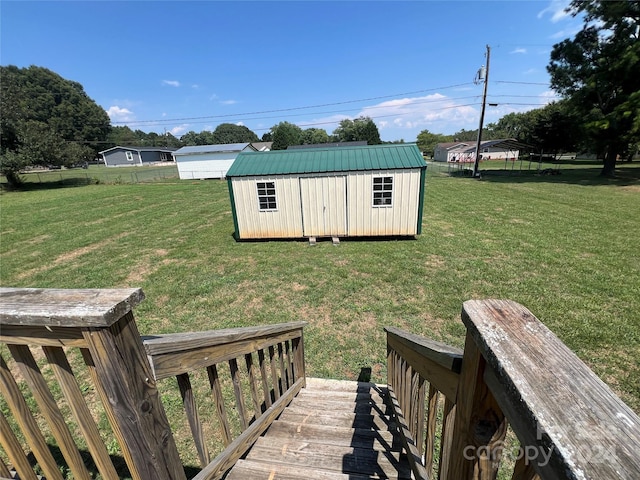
(272, 360)
(513, 371)
(79, 388)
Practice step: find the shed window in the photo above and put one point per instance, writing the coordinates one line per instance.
(267, 196)
(129, 156)
(382, 191)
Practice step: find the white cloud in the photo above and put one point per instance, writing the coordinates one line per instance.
(171, 83)
(179, 130)
(530, 71)
(434, 112)
(557, 10)
(118, 114)
(228, 102)
(519, 50)
(549, 96)
(240, 124)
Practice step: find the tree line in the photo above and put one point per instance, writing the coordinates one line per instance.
(282, 135)
(49, 120)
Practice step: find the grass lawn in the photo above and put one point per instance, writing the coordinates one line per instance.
(562, 245)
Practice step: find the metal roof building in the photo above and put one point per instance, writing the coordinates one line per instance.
(333, 192)
(208, 161)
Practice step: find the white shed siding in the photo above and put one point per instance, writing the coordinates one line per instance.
(334, 204)
(400, 218)
(324, 205)
(284, 222)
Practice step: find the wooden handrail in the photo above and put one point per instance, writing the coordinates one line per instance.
(123, 369)
(271, 387)
(516, 372)
(414, 361)
(101, 324)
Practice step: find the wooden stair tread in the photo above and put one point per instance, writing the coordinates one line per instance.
(341, 458)
(252, 470)
(363, 438)
(331, 430)
(338, 419)
(312, 404)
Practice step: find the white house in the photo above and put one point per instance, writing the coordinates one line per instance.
(208, 161)
(465, 152)
(365, 191)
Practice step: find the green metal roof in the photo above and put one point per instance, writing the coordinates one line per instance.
(323, 160)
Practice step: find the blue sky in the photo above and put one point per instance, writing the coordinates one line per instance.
(181, 66)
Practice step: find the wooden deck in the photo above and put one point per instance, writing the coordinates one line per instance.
(332, 430)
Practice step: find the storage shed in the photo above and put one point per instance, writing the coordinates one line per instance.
(333, 192)
(208, 161)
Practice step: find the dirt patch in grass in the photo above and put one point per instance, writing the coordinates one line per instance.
(38, 239)
(72, 255)
(147, 266)
(434, 262)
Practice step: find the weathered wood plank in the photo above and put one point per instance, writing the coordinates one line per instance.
(176, 342)
(49, 409)
(362, 438)
(274, 373)
(264, 378)
(14, 451)
(26, 422)
(218, 400)
(243, 442)
(430, 436)
(40, 335)
(342, 397)
(326, 405)
(332, 385)
(344, 459)
(139, 421)
(182, 361)
(337, 419)
(75, 399)
(247, 469)
(442, 354)
(551, 398)
(479, 422)
(191, 411)
(66, 308)
(237, 391)
(408, 442)
(435, 373)
(253, 384)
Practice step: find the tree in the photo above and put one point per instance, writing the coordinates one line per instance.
(46, 120)
(360, 129)
(598, 72)
(427, 141)
(312, 136)
(285, 134)
(231, 133)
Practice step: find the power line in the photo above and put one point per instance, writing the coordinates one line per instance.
(523, 83)
(209, 117)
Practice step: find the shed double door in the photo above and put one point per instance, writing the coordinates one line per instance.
(324, 206)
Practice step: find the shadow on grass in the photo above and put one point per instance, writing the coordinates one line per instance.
(371, 238)
(36, 186)
(624, 176)
(118, 462)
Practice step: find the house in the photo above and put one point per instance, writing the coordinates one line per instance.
(208, 161)
(128, 156)
(332, 192)
(465, 152)
(262, 146)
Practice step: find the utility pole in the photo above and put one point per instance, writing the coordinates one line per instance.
(483, 75)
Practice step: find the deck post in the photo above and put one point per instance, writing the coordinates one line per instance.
(131, 399)
(479, 425)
